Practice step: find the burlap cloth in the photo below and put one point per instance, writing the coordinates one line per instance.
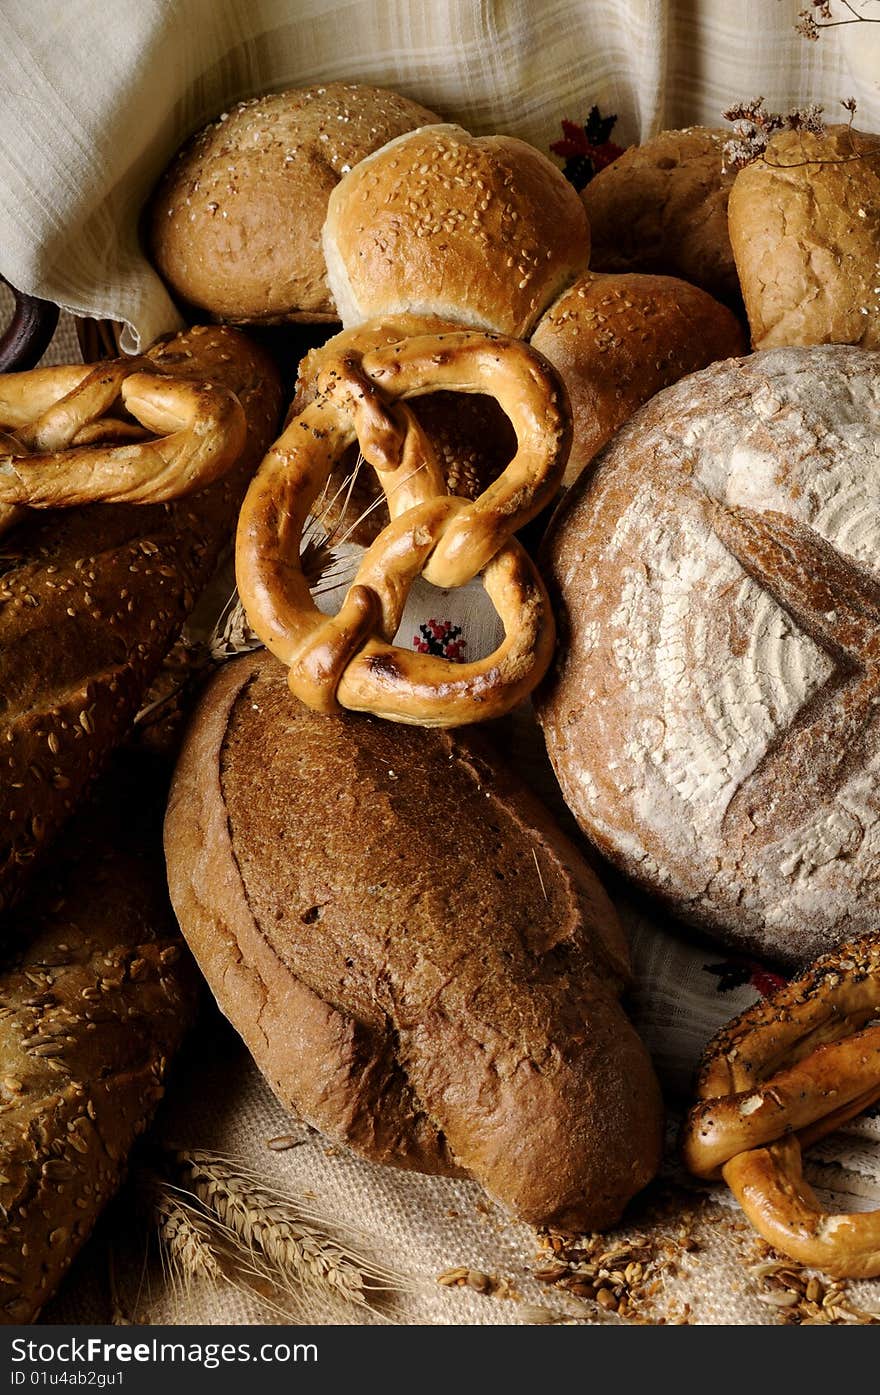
(95, 100)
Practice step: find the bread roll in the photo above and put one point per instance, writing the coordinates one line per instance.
(662, 207)
(422, 966)
(472, 437)
(713, 716)
(235, 225)
(805, 230)
(616, 340)
(484, 231)
(90, 600)
(97, 991)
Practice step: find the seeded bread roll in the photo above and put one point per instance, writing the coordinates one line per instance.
(712, 717)
(235, 225)
(90, 600)
(421, 964)
(805, 230)
(617, 340)
(97, 991)
(484, 231)
(471, 435)
(662, 207)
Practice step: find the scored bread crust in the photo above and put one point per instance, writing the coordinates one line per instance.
(420, 963)
(235, 224)
(617, 340)
(805, 231)
(662, 207)
(481, 230)
(92, 597)
(712, 715)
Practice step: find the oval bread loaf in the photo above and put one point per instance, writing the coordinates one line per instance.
(420, 963)
(91, 598)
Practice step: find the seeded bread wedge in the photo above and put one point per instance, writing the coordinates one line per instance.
(96, 992)
(91, 598)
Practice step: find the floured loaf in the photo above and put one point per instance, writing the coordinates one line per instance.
(713, 719)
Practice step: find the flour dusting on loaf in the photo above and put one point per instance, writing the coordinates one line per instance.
(712, 719)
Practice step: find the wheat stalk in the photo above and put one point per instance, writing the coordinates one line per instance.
(186, 1241)
(285, 1239)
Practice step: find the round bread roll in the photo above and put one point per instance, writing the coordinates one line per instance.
(235, 224)
(617, 340)
(484, 231)
(422, 965)
(805, 230)
(713, 717)
(662, 206)
(471, 435)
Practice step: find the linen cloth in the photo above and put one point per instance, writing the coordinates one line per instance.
(95, 100)
(96, 97)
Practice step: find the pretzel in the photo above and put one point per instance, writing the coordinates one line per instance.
(167, 435)
(778, 1078)
(349, 660)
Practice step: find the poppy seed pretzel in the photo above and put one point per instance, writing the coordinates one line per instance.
(122, 432)
(348, 660)
(779, 1077)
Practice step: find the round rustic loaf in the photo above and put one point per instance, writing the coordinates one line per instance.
(481, 230)
(662, 207)
(421, 964)
(616, 340)
(713, 716)
(235, 224)
(805, 230)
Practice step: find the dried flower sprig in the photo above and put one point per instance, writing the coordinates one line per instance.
(819, 15)
(754, 127)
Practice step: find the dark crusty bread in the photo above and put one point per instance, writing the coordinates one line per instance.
(90, 600)
(662, 206)
(805, 231)
(96, 992)
(617, 340)
(421, 964)
(236, 221)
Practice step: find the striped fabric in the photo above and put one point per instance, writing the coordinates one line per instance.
(96, 98)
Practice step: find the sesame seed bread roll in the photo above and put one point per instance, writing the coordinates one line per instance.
(662, 207)
(805, 230)
(422, 965)
(97, 990)
(235, 224)
(617, 340)
(481, 230)
(92, 597)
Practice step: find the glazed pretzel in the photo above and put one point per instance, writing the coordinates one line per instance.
(123, 432)
(349, 660)
(778, 1078)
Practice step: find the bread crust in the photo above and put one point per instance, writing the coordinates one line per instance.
(662, 207)
(712, 715)
(97, 991)
(481, 230)
(805, 231)
(90, 600)
(395, 991)
(617, 340)
(235, 223)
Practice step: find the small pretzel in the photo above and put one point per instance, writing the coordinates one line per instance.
(778, 1078)
(349, 660)
(54, 420)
